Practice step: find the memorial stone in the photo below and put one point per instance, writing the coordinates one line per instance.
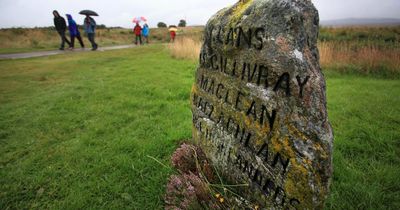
(259, 103)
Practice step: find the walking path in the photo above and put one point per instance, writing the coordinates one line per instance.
(58, 52)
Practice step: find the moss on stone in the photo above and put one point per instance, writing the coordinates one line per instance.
(238, 11)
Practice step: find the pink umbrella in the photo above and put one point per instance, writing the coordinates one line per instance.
(139, 19)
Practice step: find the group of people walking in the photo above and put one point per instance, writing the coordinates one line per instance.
(144, 32)
(89, 25)
(141, 32)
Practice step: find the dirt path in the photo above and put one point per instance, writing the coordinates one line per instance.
(58, 52)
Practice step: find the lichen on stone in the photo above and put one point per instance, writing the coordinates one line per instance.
(259, 103)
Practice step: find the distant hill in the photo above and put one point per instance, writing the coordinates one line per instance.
(361, 22)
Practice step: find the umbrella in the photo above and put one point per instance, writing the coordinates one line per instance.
(139, 19)
(88, 12)
(173, 28)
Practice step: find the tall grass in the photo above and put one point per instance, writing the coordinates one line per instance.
(185, 48)
(367, 59)
(362, 33)
(358, 50)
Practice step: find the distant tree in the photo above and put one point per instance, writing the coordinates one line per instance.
(101, 26)
(182, 23)
(161, 25)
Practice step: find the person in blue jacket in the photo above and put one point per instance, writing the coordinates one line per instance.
(74, 32)
(146, 33)
(90, 28)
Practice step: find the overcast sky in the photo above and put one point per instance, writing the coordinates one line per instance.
(30, 13)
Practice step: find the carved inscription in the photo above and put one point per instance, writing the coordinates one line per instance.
(254, 73)
(238, 37)
(258, 103)
(243, 136)
(241, 103)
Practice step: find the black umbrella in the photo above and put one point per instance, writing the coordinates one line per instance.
(88, 12)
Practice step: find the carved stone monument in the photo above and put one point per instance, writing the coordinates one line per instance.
(259, 103)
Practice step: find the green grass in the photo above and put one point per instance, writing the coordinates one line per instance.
(365, 116)
(76, 132)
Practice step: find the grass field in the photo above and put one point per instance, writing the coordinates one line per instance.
(80, 131)
(76, 131)
(365, 117)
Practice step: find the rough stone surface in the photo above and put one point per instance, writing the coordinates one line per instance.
(259, 103)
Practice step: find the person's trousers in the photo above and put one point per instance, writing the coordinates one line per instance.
(79, 39)
(63, 39)
(91, 40)
(138, 39)
(146, 39)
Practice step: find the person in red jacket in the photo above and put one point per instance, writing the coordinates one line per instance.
(138, 33)
(173, 35)
(172, 32)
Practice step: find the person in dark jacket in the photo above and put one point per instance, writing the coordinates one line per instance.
(61, 26)
(74, 32)
(90, 29)
(138, 33)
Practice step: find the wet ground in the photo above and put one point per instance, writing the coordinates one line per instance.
(58, 52)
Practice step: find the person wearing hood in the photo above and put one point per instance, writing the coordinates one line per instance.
(74, 32)
(90, 28)
(146, 33)
(138, 33)
(61, 26)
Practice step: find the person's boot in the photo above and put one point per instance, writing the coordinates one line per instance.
(94, 48)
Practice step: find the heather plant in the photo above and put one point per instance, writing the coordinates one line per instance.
(195, 187)
(188, 191)
(191, 159)
(184, 158)
(180, 193)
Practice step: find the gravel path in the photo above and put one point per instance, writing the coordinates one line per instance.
(58, 52)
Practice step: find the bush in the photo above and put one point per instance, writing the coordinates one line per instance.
(192, 188)
(18, 31)
(188, 191)
(34, 43)
(161, 25)
(182, 23)
(101, 26)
